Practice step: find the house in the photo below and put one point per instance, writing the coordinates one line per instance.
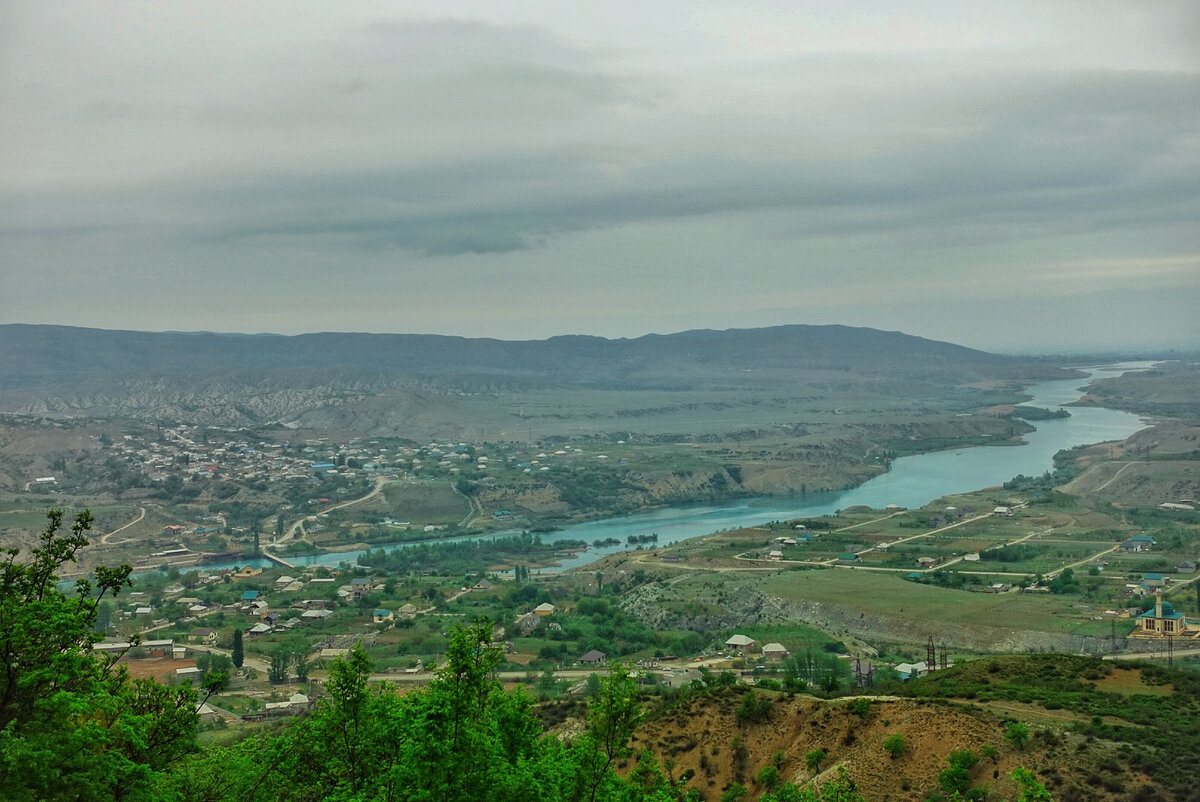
(315, 615)
(775, 651)
(1163, 620)
(259, 629)
(156, 648)
(740, 643)
(926, 561)
(381, 616)
(971, 558)
(1003, 512)
(360, 586)
(258, 608)
(249, 596)
(907, 671)
(1138, 543)
(483, 584)
(1153, 582)
(544, 609)
(914, 575)
(594, 657)
(774, 554)
(1186, 567)
(408, 611)
(203, 635)
(246, 572)
(848, 557)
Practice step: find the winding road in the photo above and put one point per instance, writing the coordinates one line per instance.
(380, 481)
(141, 516)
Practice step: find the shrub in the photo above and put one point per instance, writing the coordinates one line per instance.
(894, 745)
(734, 793)
(1017, 734)
(814, 759)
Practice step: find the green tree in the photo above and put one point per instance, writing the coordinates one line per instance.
(769, 776)
(1029, 788)
(1017, 734)
(894, 745)
(277, 671)
(956, 778)
(238, 651)
(814, 759)
(734, 793)
(301, 665)
(72, 724)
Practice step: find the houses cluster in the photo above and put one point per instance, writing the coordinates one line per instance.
(194, 452)
(863, 671)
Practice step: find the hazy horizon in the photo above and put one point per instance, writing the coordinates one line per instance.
(1017, 179)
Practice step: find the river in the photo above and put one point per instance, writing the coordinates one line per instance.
(912, 481)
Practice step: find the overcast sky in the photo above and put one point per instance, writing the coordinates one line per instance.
(1010, 176)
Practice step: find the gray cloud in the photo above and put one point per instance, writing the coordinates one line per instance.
(544, 158)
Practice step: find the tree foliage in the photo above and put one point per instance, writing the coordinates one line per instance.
(72, 723)
(461, 738)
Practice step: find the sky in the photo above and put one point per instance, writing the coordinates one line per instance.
(1018, 176)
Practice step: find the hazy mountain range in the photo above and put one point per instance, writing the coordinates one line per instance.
(431, 383)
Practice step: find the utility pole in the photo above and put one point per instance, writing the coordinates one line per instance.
(930, 655)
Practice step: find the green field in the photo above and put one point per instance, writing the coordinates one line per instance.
(888, 594)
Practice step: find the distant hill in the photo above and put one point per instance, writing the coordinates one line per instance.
(425, 383)
(33, 356)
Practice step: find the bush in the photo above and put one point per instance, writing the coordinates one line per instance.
(754, 708)
(814, 759)
(894, 745)
(1017, 734)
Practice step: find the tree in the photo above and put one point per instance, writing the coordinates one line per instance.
(956, 778)
(1029, 788)
(237, 652)
(814, 759)
(281, 658)
(734, 793)
(613, 715)
(1017, 734)
(894, 745)
(72, 724)
(301, 665)
(769, 776)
